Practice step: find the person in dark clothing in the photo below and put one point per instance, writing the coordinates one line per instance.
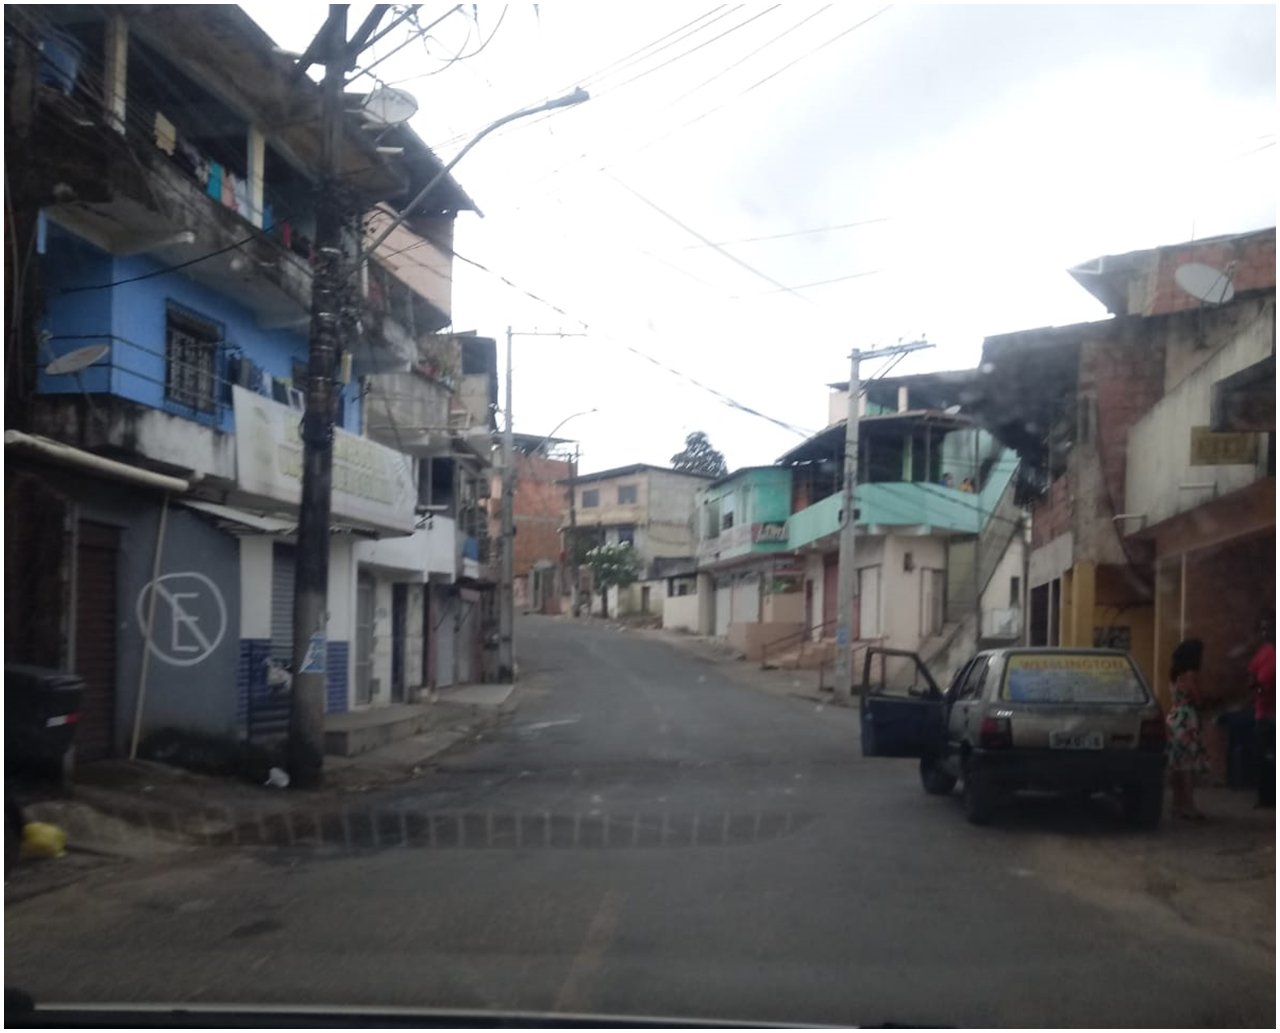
(1262, 679)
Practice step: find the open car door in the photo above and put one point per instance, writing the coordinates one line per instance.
(902, 708)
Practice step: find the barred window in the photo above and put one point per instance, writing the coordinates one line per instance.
(191, 359)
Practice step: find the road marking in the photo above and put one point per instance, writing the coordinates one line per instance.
(538, 726)
(590, 955)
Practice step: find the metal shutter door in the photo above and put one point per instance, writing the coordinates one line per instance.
(96, 639)
(282, 573)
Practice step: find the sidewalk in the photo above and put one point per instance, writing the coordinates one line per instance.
(122, 811)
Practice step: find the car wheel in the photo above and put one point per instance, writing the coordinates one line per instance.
(979, 799)
(935, 780)
(1143, 804)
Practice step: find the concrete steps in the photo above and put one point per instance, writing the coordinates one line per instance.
(358, 731)
(808, 656)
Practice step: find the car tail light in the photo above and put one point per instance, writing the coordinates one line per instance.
(1152, 734)
(995, 733)
(62, 719)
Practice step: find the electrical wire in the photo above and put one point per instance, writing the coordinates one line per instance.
(706, 240)
(793, 233)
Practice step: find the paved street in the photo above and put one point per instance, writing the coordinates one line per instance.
(645, 836)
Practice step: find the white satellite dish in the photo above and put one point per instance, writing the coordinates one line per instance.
(389, 107)
(1205, 283)
(75, 361)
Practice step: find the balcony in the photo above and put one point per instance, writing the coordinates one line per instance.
(887, 505)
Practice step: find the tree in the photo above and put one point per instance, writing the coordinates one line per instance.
(699, 457)
(612, 566)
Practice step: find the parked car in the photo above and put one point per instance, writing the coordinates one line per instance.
(41, 711)
(1065, 720)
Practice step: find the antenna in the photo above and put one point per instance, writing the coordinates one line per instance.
(75, 361)
(389, 107)
(1205, 283)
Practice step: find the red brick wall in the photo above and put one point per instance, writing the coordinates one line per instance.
(540, 506)
(1051, 515)
(1124, 372)
(1254, 259)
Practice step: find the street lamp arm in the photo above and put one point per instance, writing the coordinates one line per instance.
(585, 412)
(568, 100)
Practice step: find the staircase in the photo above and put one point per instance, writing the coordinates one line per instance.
(804, 656)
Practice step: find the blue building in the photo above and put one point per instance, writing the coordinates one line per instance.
(159, 344)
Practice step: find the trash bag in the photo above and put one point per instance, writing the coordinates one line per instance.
(41, 841)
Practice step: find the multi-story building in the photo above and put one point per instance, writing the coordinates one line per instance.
(939, 552)
(164, 209)
(648, 507)
(1148, 448)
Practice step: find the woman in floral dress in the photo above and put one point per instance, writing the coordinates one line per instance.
(1187, 757)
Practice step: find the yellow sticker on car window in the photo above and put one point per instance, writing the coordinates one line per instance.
(1071, 678)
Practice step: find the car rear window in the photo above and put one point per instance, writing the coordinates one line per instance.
(1071, 678)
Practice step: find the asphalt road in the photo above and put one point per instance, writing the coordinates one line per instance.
(646, 837)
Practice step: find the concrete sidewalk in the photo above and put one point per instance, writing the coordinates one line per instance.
(122, 811)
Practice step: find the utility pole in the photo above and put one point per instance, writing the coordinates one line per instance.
(846, 575)
(311, 574)
(506, 577)
(573, 531)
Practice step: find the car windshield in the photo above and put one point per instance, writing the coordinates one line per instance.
(552, 512)
(1071, 678)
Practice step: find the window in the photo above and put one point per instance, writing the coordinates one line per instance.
(713, 519)
(590, 498)
(628, 495)
(626, 536)
(972, 685)
(726, 512)
(435, 483)
(191, 359)
(1015, 591)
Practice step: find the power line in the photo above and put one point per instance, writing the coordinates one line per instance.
(793, 233)
(726, 399)
(815, 283)
(707, 241)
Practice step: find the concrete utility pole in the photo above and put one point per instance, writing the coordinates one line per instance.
(311, 576)
(573, 532)
(506, 577)
(847, 575)
(506, 586)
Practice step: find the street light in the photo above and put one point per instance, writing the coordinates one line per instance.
(585, 412)
(568, 100)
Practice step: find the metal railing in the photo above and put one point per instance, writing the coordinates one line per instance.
(859, 645)
(802, 638)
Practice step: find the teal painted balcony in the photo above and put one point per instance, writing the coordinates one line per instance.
(885, 505)
(744, 514)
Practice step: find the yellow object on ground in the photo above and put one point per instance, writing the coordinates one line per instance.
(42, 840)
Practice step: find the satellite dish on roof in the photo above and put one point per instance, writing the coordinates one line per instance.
(389, 107)
(75, 361)
(1205, 283)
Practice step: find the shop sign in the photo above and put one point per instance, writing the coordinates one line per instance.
(1210, 448)
(770, 532)
(372, 485)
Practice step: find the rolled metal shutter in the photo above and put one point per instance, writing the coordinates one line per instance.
(95, 659)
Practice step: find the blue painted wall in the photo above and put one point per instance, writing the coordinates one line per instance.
(132, 317)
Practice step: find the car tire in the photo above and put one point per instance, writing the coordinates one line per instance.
(980, 799)
(1143, 804)
(935, 780)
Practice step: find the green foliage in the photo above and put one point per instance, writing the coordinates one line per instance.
(699, 457)
(613, 566)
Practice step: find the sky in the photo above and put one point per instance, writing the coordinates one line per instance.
(943, 165)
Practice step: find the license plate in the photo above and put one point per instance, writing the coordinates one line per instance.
(1075, 740)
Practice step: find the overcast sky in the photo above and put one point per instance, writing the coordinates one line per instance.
(983, 150)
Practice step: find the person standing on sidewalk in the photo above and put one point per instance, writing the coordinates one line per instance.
(1262, 677)
(1187, 758)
